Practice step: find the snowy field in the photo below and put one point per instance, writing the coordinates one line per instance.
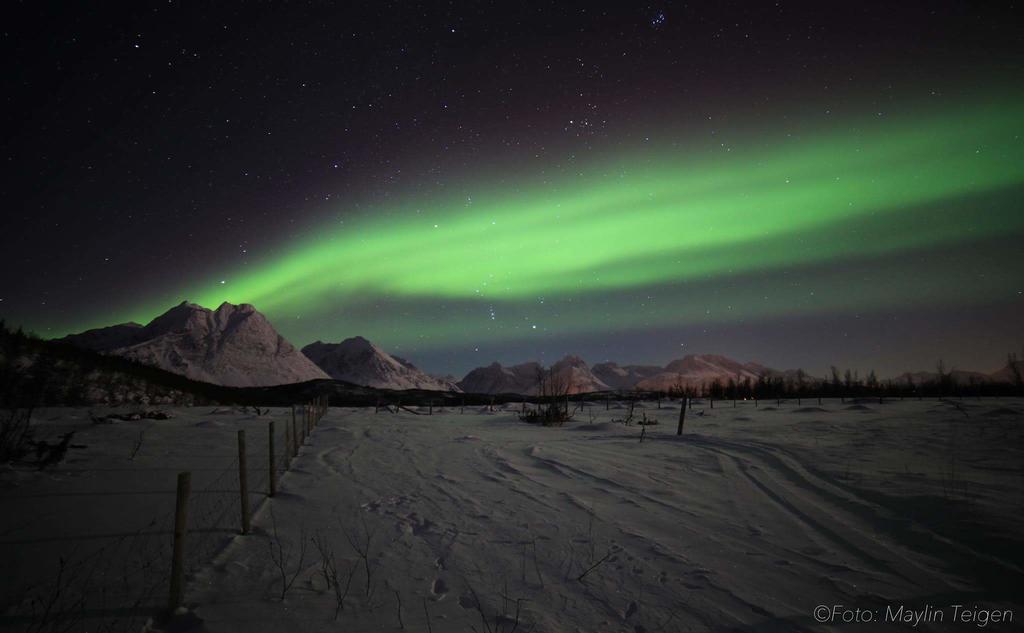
(455, 522)
(107, 511)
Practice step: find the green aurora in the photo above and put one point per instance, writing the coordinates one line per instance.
(787, 228)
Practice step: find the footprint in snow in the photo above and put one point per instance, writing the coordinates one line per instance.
(630, 610)
(440, 589)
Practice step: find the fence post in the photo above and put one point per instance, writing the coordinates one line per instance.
(270, 465)
(295, 435)
(682, 416)
(177, 593)
(243, 481)
(287, 445)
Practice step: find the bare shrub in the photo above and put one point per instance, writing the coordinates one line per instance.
(15, 435)
(361, 542)
(553, 408)
(329, 570)
(281, 555)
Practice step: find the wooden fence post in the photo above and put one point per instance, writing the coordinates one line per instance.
(295, 435)
(682, 416)
(287, 445)
(177, 593)
(243, 481)
(271, 467)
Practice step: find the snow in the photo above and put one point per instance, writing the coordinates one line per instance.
(360, 362)
(748, 521)
(234, 345)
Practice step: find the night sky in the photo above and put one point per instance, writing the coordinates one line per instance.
(800, 185)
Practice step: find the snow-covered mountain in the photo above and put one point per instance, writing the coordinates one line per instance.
(692, 371)
(572, 375)
(233, 345)
(956, 376)
(358, 361)
(569, 375)
(695, 370)
(626, 376)
(1012, 373)
(497, 379)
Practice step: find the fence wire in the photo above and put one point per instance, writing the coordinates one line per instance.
(124, 582)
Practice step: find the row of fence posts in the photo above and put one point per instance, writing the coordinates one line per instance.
(303, 420)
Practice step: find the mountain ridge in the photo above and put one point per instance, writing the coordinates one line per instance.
(233, 345)
(360, 362)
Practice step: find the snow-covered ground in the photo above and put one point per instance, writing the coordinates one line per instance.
(107, 510)
(749, 521)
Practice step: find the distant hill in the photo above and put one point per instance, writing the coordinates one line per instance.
(695, 370)
(624, 377)
(689, 372)
(956, 376)
(497, 379)
(1013, 373)
(571, 375)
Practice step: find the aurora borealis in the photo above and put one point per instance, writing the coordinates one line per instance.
(635, 245)
(660, 217)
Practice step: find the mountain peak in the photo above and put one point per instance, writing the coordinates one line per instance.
(233, 346)
(570, 372)
(357, 342)
(358, 361)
